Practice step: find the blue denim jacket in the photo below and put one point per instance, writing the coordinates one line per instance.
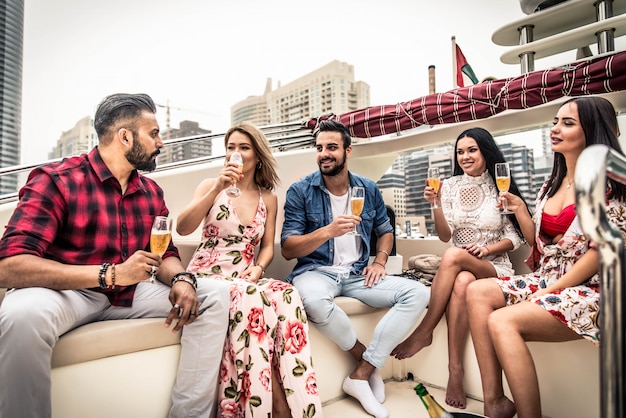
(308, 208)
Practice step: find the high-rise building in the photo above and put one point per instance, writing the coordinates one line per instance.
(392, 187)
(253, 109)
(11, 43)
(522, 166)
(329, 89)
(78, 140)
(186, 150)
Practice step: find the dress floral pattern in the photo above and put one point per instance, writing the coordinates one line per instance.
(469, 205)
(267, 323)
(577, 306)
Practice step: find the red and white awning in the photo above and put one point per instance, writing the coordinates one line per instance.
(599, 75)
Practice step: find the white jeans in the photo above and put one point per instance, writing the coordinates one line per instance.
(32, 320)
(406, 298)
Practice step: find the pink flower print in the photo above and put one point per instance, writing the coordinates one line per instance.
(203, 260)
(245, 386)
(265, 376)
(278, 286)
(295, 337)
(230, 409)
(254, 228)
(236, 297)
(224, 377)
(210, 230)
(248, 254)
(256, 324)
(311, 384)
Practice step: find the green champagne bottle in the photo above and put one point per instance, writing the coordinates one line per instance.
(434, 409)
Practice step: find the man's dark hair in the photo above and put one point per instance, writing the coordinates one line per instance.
(334, 126)
(118, 107)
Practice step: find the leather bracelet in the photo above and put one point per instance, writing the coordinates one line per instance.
(380, 264)
(102, 275)
(186, 277)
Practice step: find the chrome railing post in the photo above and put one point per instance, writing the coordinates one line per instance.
(593, 166)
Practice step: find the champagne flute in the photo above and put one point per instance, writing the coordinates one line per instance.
(503, 181)
(160, 236)
(233, 191)
(357, 199)
(433, 180)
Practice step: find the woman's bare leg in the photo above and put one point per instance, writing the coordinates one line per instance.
(458, 328)
(510, 328)
(454, 261)
(280, 408)
(483, 298)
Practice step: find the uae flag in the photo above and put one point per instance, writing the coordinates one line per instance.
(464, 74)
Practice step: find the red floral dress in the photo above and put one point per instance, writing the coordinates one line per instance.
(576, 306)
(268, 324)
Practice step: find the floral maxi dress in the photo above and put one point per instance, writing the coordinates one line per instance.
(267, 322)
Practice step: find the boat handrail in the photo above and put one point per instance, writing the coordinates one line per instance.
(282, 137)
(593, 166)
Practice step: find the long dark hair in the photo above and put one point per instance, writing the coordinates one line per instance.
(599, 123)
(492, 155)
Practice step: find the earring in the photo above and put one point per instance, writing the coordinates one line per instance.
(259, 164)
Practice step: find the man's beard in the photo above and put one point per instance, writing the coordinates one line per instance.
(139, 158)
(331, 172)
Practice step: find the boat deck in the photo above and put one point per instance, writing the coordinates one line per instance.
(401, 399)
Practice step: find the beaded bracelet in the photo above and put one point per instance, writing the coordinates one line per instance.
(102, 275)
(186, 277)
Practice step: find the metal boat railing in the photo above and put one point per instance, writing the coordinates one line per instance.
(593, 166)
(282, 137)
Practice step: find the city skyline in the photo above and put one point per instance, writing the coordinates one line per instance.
(204, 56)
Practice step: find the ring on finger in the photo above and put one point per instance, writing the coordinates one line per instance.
(193, 313)
(153, 270)
(176, 306)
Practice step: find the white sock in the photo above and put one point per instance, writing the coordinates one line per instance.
(378, 386)
(360, 389)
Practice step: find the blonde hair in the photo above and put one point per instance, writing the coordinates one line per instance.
(265, 171)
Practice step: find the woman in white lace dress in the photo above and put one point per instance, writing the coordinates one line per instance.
(468, 214)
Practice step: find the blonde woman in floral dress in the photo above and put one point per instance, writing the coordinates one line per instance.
(559, 301)
(266, 366)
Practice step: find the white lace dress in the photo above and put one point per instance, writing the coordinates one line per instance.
(469, 205)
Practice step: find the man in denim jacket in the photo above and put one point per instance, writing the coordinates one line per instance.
(331, 263)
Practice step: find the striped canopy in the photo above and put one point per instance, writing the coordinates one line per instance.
(599, 75)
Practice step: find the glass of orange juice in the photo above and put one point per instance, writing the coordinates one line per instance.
(433, 180)
(503, 181)
(160, 236)
(357, 199)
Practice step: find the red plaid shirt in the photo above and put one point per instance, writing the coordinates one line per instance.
(74, 212)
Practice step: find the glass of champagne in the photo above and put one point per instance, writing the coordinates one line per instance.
(433, 180)
(233, 191)
(503, 181)
(357, 199)
(160, 236)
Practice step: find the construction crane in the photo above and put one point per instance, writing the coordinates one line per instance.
(168, 108)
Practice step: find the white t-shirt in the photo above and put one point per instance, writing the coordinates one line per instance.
(348, 248)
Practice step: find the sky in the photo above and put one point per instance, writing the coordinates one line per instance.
(203, 56)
